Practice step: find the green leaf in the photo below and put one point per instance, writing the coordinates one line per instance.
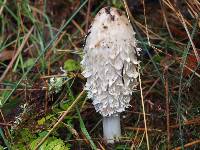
(122, 147)
(35, 142)
(56, 144)
(1, 147)
(3, 97)
(157, 58)
(4, 139)
(44, 119)
(41, 121)
(71, 65)
(52, 143)
(19, 146)
(117, 3)
(26, 135)
(84, 130)
(64, 104)
(29, 62)
(56, 84)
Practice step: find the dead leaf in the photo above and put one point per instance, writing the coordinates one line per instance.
(6, 55)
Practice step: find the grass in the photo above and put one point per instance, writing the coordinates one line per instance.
(39, 38)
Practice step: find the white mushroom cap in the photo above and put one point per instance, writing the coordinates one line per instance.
(110, 61)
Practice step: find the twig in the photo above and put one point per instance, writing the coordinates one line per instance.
(188, 122)
(2, 7)
(167, 109)
(46, 98)
(188, 144)
(7, 129)
(141, 141)
(145, 20)
(193, 46)
(127, 10)
(142, 27)
(54, 46)
(16, 55)
(5, 124)
(78, 27)
(88, 16)
(59, 121)
(165, 19)
(43, 89)
(155, 82)
(142, 129)
(143, 109)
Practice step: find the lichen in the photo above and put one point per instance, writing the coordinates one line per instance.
(110, 61)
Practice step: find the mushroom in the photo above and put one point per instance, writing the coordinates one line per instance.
(110, 66)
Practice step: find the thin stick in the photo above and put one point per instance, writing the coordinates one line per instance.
(145, 20)
(16, 55)
(54, 46)
(78, 27)
(60, 120)
(195, 121)
(127, 10)
(165, 19)
(143, 110)
(43, 89)
(46, 99)
(130, 18)
(193, 46)
(142, 129)
(141, 141)
(7, 129)
(167, 111)
(2, 7)
(5, 124)
(88, 16)
(156, 81)
(188, 144)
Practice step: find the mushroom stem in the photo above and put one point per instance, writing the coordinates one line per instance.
(111, 128)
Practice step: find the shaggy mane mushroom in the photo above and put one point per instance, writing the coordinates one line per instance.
(110, 66)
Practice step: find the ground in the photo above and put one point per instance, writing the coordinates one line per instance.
(41, 47)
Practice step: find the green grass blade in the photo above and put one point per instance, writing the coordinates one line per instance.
(84, 130)
(46, 48)
(5, 140)
(184, 56)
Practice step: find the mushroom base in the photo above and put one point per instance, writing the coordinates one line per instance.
(111, 128)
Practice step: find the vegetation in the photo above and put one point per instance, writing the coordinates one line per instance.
(42, 102)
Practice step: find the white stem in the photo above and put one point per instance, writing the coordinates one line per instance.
(111, 128)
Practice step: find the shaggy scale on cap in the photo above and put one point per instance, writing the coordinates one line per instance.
(110, 61)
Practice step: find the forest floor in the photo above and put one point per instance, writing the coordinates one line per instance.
(41, 86)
